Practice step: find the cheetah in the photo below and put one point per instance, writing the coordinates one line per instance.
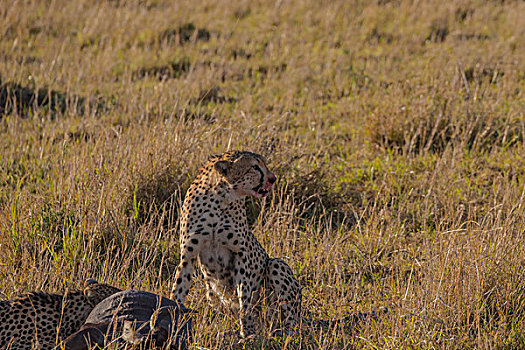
(40, 319)
(214, 234)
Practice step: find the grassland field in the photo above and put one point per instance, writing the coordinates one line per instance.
(396, 129)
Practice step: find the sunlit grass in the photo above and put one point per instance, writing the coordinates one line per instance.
(395, 128)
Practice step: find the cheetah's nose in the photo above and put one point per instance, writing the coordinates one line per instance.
(272, 179)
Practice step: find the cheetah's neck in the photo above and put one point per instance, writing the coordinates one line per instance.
(212, 190)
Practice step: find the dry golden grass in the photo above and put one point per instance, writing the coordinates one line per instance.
(396, 129)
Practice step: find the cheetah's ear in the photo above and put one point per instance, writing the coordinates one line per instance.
(89, 282)
(223, 166)
(243, 160)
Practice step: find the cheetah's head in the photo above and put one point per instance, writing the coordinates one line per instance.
(247, 174)
(96, 292)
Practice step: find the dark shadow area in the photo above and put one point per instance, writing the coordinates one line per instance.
(240, 53)
(195, 114)
(24, 100)
(479, 74)
(172, 70)
(480, 37)
(157, 194)
(439, 31)
(377, 36)
(312, 198)
(439, 129)
(263, 71)
(183, 34)
(211, 96)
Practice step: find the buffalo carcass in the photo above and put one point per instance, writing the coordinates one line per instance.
(142, 319)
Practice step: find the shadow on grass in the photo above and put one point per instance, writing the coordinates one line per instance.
(183, 34)
(172, 70)
(212, 96)
(313, 200)
(158, 197)
(25, 100)
(440, 128)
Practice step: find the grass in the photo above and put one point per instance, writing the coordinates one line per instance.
(395, 128)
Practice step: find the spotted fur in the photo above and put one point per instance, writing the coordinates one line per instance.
(214, 233)
(38, 320)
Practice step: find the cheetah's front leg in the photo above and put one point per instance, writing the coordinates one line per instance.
(194, 236)
(286, 294)
(183, 275)
(248, 295)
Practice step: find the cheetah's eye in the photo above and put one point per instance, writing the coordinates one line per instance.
(256, 167)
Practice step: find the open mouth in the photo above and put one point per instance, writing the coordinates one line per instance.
(262, 193)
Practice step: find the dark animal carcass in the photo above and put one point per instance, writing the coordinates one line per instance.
(138, 318)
